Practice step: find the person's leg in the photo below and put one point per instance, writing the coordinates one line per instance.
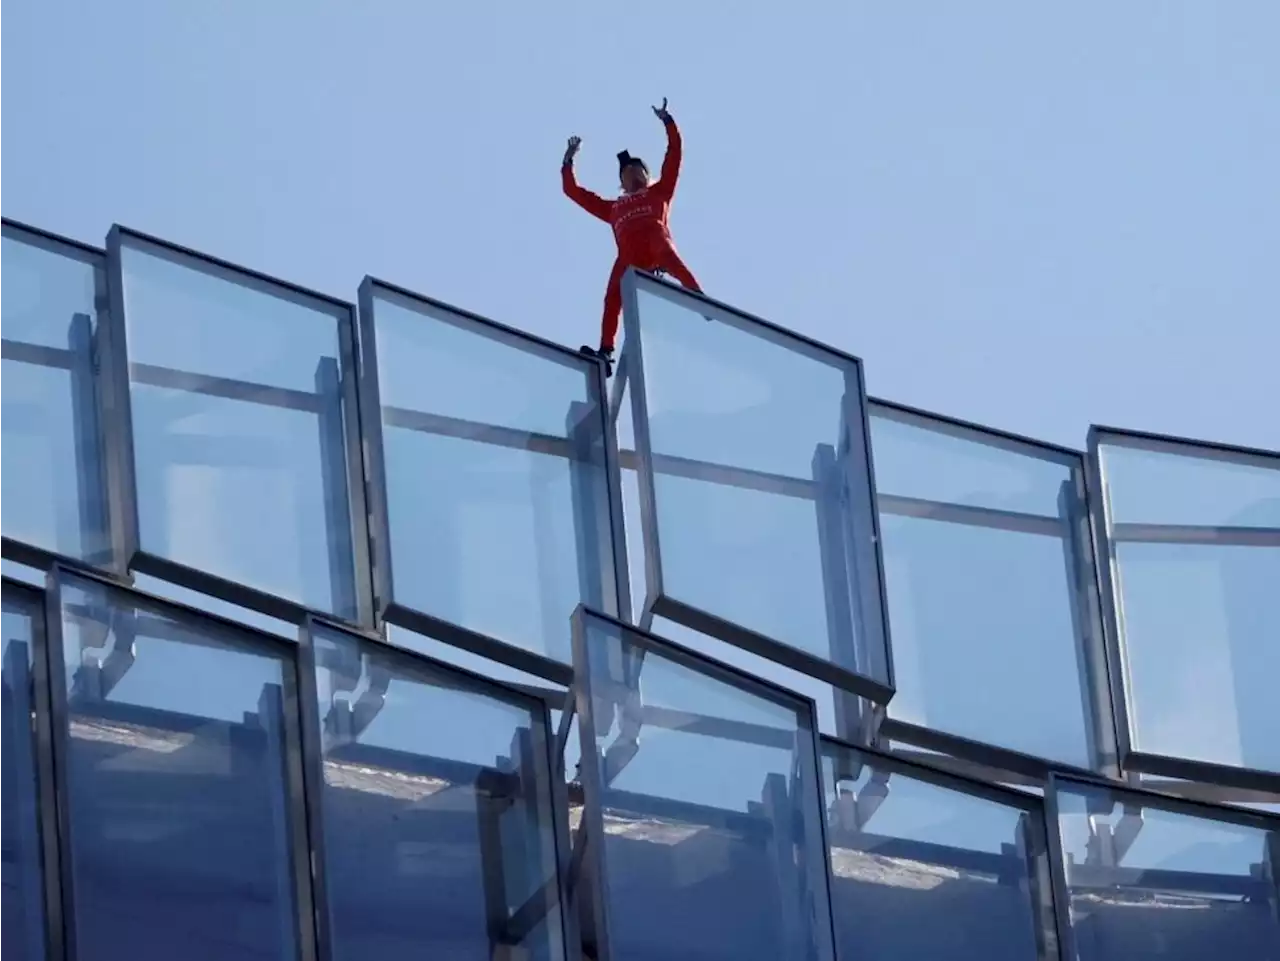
(610, 317)
(612, 307)
(670, 262)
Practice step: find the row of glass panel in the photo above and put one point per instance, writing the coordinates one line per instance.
(332, 797)
(410, 462)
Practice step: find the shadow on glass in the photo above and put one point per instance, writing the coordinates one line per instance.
(702, 805)
(437, 831)
(23, 925)
(1142, 876)
(177, 746)
(928, 866)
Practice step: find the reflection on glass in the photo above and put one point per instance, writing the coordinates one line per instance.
(214, 605)
(1195, 540)
(495, 476)
(709, 798)
(23, 904)
(57, 500)
(238, 427)
(923, 871)
(437, 814)
(469, 661)
(760, 482)
(981, 577)
(837, 711)
(1146, 882)
(176, 785)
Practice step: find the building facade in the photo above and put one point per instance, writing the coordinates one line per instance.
(379, 629)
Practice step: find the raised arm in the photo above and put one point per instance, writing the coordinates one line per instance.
(675, 152)
(593, 204)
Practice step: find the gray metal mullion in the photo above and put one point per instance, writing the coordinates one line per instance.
(313, 780)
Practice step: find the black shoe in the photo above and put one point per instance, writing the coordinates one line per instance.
(601, 354)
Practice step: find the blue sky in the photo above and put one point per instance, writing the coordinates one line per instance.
(1032, 218)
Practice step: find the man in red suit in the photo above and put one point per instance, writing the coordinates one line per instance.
(639, 222)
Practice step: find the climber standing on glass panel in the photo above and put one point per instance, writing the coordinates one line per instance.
(639, 221)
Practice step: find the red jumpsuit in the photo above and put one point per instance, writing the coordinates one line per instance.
(639, 224)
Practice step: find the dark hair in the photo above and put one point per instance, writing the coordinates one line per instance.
(625, 160)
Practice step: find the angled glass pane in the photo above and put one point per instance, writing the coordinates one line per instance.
(214, 605)
(757, 466)
(175, 739)
(920, 870)
(705, 787)
(475, 663)
(838, 712)
(23, 904)
(438, 831)
(240, 432)
(1195, 560)
(54, 493)
(629, 481)
(494, 467)
(1148, 880)
(983, 568)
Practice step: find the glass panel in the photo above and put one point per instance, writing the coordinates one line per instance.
(1197, 601)
(708, 793)
(439, 836)
(51, 298)
(923, 871)
(1145, 882)
(981, 577)
(214, 605)
(628, 463)
(469, 661)
(180, 832)
(760, 483)
(238, 427)
(23, 905)
(837, 712)
(495, 476)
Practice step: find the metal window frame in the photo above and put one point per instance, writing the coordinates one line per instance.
(1032, 806)
(226, 634)
(715, 671)
(1073, 528)
(52, 868)
(40, 556)
(873, 624)
(1203, 810)
(1132, 759)
(423, 669)
(118, 418)
(613, 573)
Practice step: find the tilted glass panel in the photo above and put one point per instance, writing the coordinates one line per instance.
(925, 871)
(176, 785)
(982, 570)
(707, 792)
(495, 475)
(838, 712)
(240, 443)
(1147, 882)
(760, 481)
(438, 830)
(23, 904)
(54, 490)
(1195, 538)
